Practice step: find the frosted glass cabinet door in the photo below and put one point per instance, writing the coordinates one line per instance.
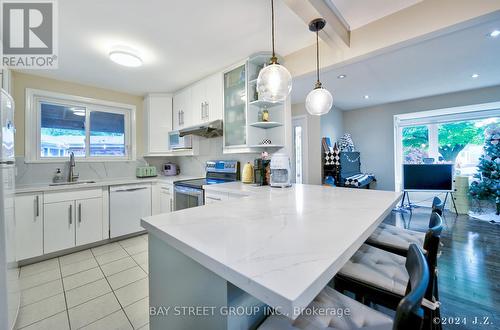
(235, 97)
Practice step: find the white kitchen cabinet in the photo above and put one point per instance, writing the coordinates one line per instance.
(214, 107)
(182, 113)
(206, 96)
(59, 226)
(29, 225)
(88, 221)
(72, 218)
(158, 122)
(166, 198)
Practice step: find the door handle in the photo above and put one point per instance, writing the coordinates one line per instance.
(130, 189)
(202, 107)
(79, 213)
(37, 206)
(70, 214)
(171, 206)
(207, 109)
(214, 198)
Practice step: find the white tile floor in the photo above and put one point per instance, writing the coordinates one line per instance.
(101, 288)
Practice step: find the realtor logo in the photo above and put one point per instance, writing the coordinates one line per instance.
(28, 34)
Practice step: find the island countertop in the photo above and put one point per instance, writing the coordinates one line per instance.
(282, 245)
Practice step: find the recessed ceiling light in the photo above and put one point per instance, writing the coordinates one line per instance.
(494, 33)
(125, 56)
(341, 76)
(366, 97)
(475, 76)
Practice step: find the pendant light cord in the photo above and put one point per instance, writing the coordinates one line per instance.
(273, 58)
(318, 83)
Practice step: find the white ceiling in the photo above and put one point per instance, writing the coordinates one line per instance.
(436, 66)
(180, 41)
(357, 13)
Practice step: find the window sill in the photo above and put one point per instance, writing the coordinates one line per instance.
(64, 160)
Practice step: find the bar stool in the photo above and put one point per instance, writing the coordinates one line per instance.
(397, 240)
(409, 314)
(380, 276)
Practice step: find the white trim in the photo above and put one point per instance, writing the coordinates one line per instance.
(467, 112)
(305, 146)
(32, 122)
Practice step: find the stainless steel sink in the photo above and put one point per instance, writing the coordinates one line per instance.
(72, 183)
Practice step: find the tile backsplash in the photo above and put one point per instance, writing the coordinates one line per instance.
(34, 173)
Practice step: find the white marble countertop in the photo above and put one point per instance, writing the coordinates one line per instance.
(237, 188)
(100, 183)
(280, 245)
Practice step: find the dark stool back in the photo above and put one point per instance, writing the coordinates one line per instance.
(437, 206)
(409, 313)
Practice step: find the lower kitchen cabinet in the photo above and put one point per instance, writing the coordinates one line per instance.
(29, 225)
(88, 221)
(215, 197)
(166, 199)
(71, 219)
(59, 227)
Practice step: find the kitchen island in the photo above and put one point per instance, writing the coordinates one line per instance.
(277, 248)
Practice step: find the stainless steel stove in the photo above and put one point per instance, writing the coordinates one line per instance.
(189, 193)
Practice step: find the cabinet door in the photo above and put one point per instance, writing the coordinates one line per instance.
(198, 103)
(158, 122)
(58, 226)
(29, 226)
(166, 202)
(88, 221)
(178, 105)
(214, 109)
(182, 109)
(235, 107)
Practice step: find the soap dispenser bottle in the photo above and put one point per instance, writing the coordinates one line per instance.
(58, 177)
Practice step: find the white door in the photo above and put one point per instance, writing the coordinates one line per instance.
(300, 159)
(88, 220)
(29, 226)
(59, 226)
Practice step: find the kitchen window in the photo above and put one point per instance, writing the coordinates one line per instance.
(94, 130)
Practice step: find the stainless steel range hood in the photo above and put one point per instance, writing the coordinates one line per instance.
(208, 130)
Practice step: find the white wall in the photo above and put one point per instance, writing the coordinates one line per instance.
(332, 125)
(373, 133)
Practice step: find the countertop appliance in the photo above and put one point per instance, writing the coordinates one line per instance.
(176, 142)
(170, 169)
(9, 283)
(262, 172)
(127, 205)
(280, 170)
(189, 193)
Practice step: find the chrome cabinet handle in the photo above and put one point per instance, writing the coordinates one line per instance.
(70, 214)
(207, 109)
(202, 107)
(214, 198)
(37, 206)
(79, 213)
(171, 206)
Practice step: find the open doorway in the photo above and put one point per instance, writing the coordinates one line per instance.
(299, 141)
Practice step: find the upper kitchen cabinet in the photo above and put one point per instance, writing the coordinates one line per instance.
(235, 108)
(158, 122)
(251, 124)
(182, 109)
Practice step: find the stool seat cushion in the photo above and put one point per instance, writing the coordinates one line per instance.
(378, 268)
(327, 310)
(395, 237)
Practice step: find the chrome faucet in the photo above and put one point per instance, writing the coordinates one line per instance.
(72, 177)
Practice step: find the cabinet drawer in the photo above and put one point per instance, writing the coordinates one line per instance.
(61, 196)
(214, 197)
(166, 188)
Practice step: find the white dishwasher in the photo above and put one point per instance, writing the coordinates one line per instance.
(127, 205)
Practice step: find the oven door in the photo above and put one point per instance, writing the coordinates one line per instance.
(186, 197)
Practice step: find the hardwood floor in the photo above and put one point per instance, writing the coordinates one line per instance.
(469, 268)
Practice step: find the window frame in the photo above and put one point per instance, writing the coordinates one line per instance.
(34, 99)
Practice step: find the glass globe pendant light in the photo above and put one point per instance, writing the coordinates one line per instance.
(319, 101)
(274, 82)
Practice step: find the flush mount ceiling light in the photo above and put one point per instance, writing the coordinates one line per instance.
(475, 76)
(494, 33)
(319, 101)
(125, 56)
(341, 76)
(366, 97)
(274, 82)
